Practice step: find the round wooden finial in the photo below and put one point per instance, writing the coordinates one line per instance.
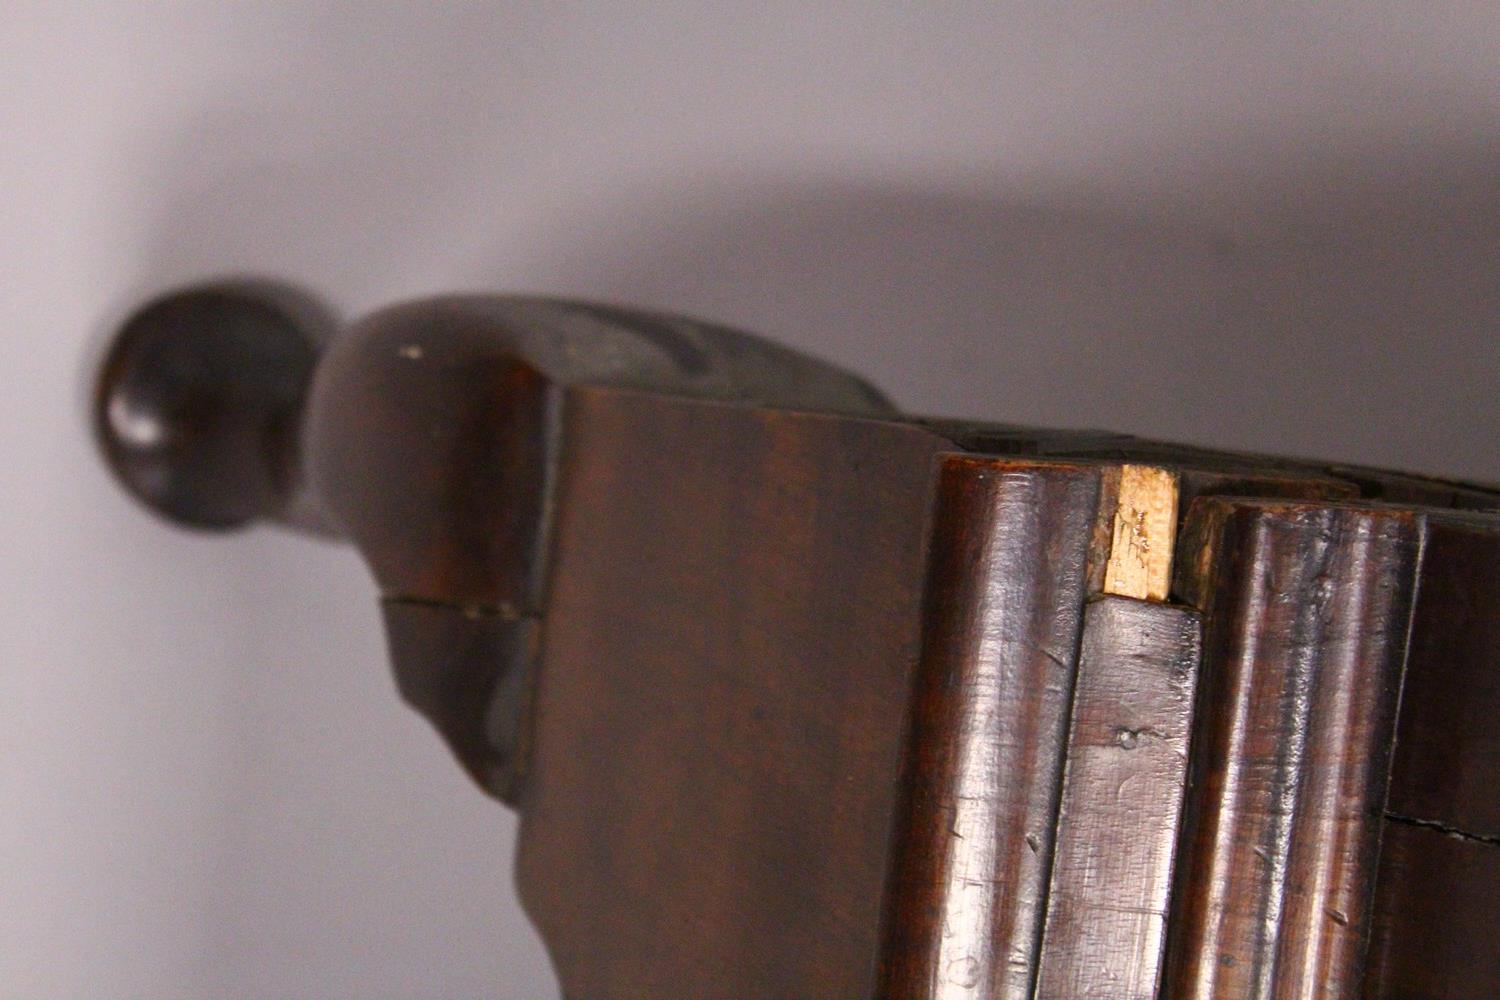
(199, 401)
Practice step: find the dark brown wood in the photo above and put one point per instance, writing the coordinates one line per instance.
(465, 669)
(732, 624)
(781, 683)
(434, 435)
(1121, 801)
(1436, 910)
(199, 401)
(973, 842)
(1434, 930)
(433, 427)
(1447, 763)
(1307, 609)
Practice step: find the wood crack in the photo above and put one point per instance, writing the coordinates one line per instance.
(1488, 840)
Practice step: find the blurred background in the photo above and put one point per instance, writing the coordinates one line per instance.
(1261, 226)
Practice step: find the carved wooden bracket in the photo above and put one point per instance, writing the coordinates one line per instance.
(800, 697)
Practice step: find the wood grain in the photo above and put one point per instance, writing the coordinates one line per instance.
(973, 841)
(1121, 801)
(1438, 891)
(433, 437)
(1307, 609)
(719, 718)
(1434, 928)
(1447, 763)
(1144, 531)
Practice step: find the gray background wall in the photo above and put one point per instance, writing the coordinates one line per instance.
(1264, 226)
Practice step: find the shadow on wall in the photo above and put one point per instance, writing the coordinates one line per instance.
(1337, 315)
(1333, 316)
(1246, 285)
(1362, 328)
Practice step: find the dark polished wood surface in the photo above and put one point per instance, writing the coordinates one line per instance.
(1306, 613)
(1447, 764)
(1435, 916)
(783, 685)
(200, 399)
(1121, 800)
(972, 845)
(732, 626)
(1307, 609)
(1438, 890)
